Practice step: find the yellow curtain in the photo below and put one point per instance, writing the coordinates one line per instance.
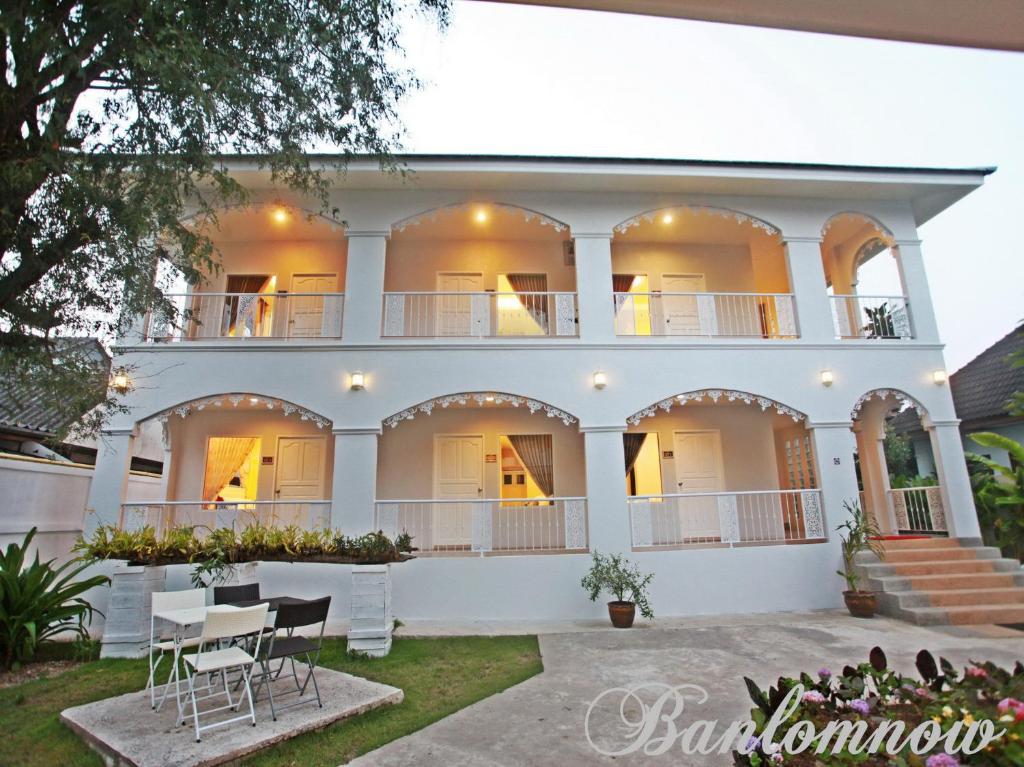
(223, 460)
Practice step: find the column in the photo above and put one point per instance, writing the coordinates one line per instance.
(874, 470)
(354, 485)
(834, 448)
(594, 287)
(364, 286)
(109, 479)
(807, 282)
(915, 287)
(954, 481)
(607, 510)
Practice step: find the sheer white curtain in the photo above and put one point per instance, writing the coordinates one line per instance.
(223, 460)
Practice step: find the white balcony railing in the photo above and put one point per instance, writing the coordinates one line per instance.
(205, 316)
(530, 525)
(729, 518)
(164, 515)
(479, 315)
(919, 509)
(871, 317)
(742, 315)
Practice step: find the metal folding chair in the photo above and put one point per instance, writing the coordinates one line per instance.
(161, 645)
(289, 647)
(225, 622)
(245, 592)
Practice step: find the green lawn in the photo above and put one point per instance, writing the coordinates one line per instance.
(439, 676)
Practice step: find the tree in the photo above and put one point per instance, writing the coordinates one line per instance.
(999, 492)
(899, 454)
(114, 119)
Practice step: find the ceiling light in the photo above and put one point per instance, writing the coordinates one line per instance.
(481, 216)
(280, 215)
(254, 400)
(667, 218)
(489, 398)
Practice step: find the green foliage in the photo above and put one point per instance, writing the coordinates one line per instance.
(899, 453)
(858, 533)
(39, 601)
(621, 578)
(875, 694)
(901, 482)
(999, 493)
(115, 118)
(214, 552)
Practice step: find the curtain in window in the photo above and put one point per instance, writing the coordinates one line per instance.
(621, 283)
(223, 460)
(531, 283)
(632, 444)
(534, 451)
(240, 310)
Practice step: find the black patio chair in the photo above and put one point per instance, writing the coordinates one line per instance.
(245, 592)
(291, 646)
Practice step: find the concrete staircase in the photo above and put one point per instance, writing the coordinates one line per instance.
(943, 581)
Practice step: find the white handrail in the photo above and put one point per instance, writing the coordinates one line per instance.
(220, 503)
(479, 314)
(711, 314)
(721, 492)
(483, 500)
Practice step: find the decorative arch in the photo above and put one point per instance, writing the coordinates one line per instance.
(737, 215)
(334, 223)
(715, 395)
(900, 396)
(222, 401)
(528, 215)
(885, 230)
(480, 398)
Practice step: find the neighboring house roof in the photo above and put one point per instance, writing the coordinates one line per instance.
(25, 411)
(981, 388)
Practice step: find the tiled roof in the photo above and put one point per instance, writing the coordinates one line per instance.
(23, 409)
(982, 387)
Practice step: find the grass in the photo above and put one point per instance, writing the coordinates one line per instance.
(439, 677)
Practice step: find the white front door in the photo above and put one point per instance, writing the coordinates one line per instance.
(299, 476)
(698, 462)
(680, 315)
(461, 315)
(306, 313)
(458, 475)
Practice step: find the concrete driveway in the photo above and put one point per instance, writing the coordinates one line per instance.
(541, 722)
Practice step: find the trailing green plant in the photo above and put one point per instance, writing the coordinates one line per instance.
(39, 600)
(902, 481)
(999, 493)
(858, 533)
(621, 578)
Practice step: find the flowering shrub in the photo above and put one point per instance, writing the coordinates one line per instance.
(874, 695)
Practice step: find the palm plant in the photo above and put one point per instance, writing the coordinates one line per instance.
(999, 493)
(858, 533)
(40, 601)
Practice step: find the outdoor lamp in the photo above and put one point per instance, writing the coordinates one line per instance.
(358, 381)
(939, 376)
(600, 380)
(120, 381)
(826, 377)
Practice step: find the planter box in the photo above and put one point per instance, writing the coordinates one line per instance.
(126, 631)
(236, 575)
(372, 621)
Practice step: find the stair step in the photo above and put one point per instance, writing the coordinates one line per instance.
(966, 615)
(953, 582)
(970, 597)
(921, 543)
(926, 555)
(950, 567)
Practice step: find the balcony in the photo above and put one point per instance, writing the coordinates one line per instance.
(479, 315)
(715, 315)
(250, 316)
(884, 317)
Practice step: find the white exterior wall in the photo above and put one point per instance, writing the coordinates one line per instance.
(559, 371)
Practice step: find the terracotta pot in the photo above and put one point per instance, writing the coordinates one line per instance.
(861, 604)
(622, 614)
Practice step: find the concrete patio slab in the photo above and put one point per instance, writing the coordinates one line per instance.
(127, 733)
(541, 721)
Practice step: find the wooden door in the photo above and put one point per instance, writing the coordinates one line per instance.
(306, 313)
(460, 315)
(458, 475)
(680, 315)
(698, 464)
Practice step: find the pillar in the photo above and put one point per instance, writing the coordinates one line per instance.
(954, 481)
(833, 449)
(607, 510)
(109, 479)
(364, 286)
(807, 283)
(869, 429)
(354, 485)
(594, 287)
(915, 287)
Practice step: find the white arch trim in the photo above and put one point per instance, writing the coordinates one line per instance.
(738, 216)
(233, 400)
(334, 223)
(527, 214)
(714, 395)
(900, 396)
(480, 398)
(867, 217)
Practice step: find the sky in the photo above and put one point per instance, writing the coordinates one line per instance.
(508, 79)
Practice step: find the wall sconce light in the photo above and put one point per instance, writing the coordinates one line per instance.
(600, 379)
(827, 378)
(358, 381)
(120, 381)
(939, 376)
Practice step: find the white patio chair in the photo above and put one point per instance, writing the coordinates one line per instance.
(161, 645)
(225, 623)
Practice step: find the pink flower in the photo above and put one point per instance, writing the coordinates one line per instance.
(813, 696)
(941, 760)
(924, 692)
(860, 706)
(1007, 703)
(976, 673)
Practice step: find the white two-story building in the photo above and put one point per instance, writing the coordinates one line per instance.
(521, 360)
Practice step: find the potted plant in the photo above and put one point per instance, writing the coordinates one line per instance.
(858, 533)
(622, 579)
